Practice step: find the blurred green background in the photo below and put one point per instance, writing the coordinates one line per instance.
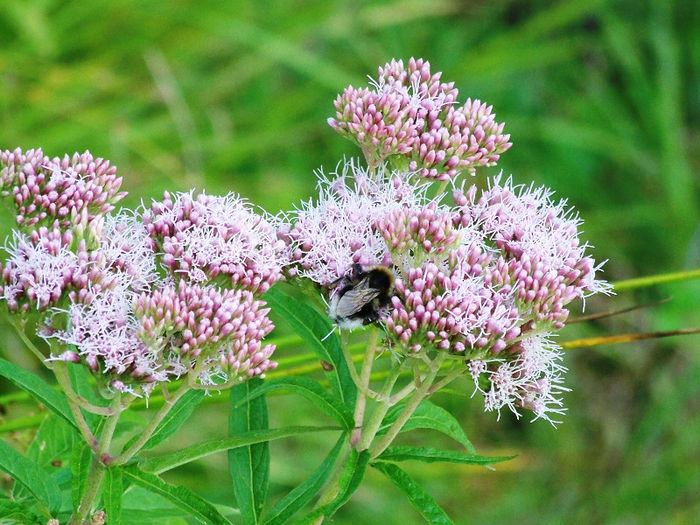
(602, 100)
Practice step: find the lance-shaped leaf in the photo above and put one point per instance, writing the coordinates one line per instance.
(431, 416)
(180, 457)
(175, 418)
(350, 479)
(31, 477)
(112, 491)
(314, 328)
(38, 389)
(312, 391)
(80, 468)
(249, 465)
(432, 455)
(304, 493)
(421, 500)
(181, 497)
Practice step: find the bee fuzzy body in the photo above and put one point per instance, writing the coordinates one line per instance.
(357, 298)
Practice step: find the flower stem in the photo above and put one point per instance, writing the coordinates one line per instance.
(418, 396)
(365, 373)
(148, 431)
(19, 328)
(651, 280)
(370, 430)
(60, 370)
(97, 467)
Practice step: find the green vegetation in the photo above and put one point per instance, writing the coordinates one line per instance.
(602, 102)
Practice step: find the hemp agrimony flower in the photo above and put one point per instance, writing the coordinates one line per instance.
(408, 112)
(486, 279)
(97, 278)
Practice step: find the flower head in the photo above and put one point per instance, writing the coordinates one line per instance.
(409, 112)
(70, 189)
(340, 228)
(207, 236)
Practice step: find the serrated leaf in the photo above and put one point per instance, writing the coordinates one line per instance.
(30, 476)
(432, 455)
(312, 391)
(249, 465)
(428, 415)
(171, 423)
(81, 459)
(305, 492)
(314, 328)
(421, 500)
(112, 491)
(181, 497)
(350, 479)
(169, 461)
(19, 512)
(38, 389)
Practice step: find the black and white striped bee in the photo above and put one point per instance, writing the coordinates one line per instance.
(357, 297)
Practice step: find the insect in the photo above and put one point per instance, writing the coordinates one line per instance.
(356, 298)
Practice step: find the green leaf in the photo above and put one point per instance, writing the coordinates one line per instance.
(431, 416)
(421, 500)
(112, 491)
(38, 388)
(169, 461)
(312, 391)
(313, 327)
(31, 477)
(432, 455)
(80, 468)
(304, 493)
(179, 496)
(350, 479)
(19, 512)
(54, 439)
(176, 417)
(249, 466)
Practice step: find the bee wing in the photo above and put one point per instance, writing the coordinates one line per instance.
(353, 301)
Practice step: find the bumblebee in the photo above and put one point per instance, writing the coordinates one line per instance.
(357, 297)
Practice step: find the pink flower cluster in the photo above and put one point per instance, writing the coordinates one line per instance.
(409, 112)
(207, 236)
(488, 279)
(338, 230)
(223, 326)
(95, 277)
(44, 189)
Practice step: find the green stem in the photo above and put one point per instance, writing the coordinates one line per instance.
(60, 370)
(19, 328)
(363, 386)
(148, 431)
(418, 396)
(370, 430)
(97, 468)
(651, 280)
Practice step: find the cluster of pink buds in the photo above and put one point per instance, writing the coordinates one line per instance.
(203, 237)
(225, 327)
(409, 112)
(44, 189)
